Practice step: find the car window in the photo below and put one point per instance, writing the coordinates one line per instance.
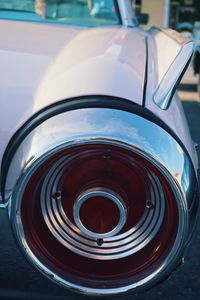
(78, 12)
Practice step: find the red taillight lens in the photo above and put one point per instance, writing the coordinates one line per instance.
(99, 212)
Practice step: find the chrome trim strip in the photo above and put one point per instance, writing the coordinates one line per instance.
(180, 50)
(127, 13)
(165, 91)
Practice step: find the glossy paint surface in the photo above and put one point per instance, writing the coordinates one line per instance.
(43, 64)
(162, 52)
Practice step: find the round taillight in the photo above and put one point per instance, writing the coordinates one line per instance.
(99, 216)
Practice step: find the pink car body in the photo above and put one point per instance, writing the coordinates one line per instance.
(72, 91)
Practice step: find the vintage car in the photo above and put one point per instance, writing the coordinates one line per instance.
(98, 169)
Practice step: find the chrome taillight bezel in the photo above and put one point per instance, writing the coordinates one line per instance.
(139, 144)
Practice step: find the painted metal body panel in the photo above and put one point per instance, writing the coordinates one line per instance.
(36, 72)
(99, 73)
(44, 64)
(159, 58)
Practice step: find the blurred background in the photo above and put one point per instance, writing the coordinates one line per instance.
(178, 14)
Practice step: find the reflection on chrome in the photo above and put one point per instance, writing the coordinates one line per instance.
(101, 126)
(94, 123)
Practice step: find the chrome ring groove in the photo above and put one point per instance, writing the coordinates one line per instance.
(114, 247)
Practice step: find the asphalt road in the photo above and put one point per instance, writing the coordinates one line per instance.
(18, 280)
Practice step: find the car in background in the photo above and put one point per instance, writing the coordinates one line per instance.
(98, 169)
(186, 28)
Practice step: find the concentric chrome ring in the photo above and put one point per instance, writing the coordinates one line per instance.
(108, 194)
(74, 238)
